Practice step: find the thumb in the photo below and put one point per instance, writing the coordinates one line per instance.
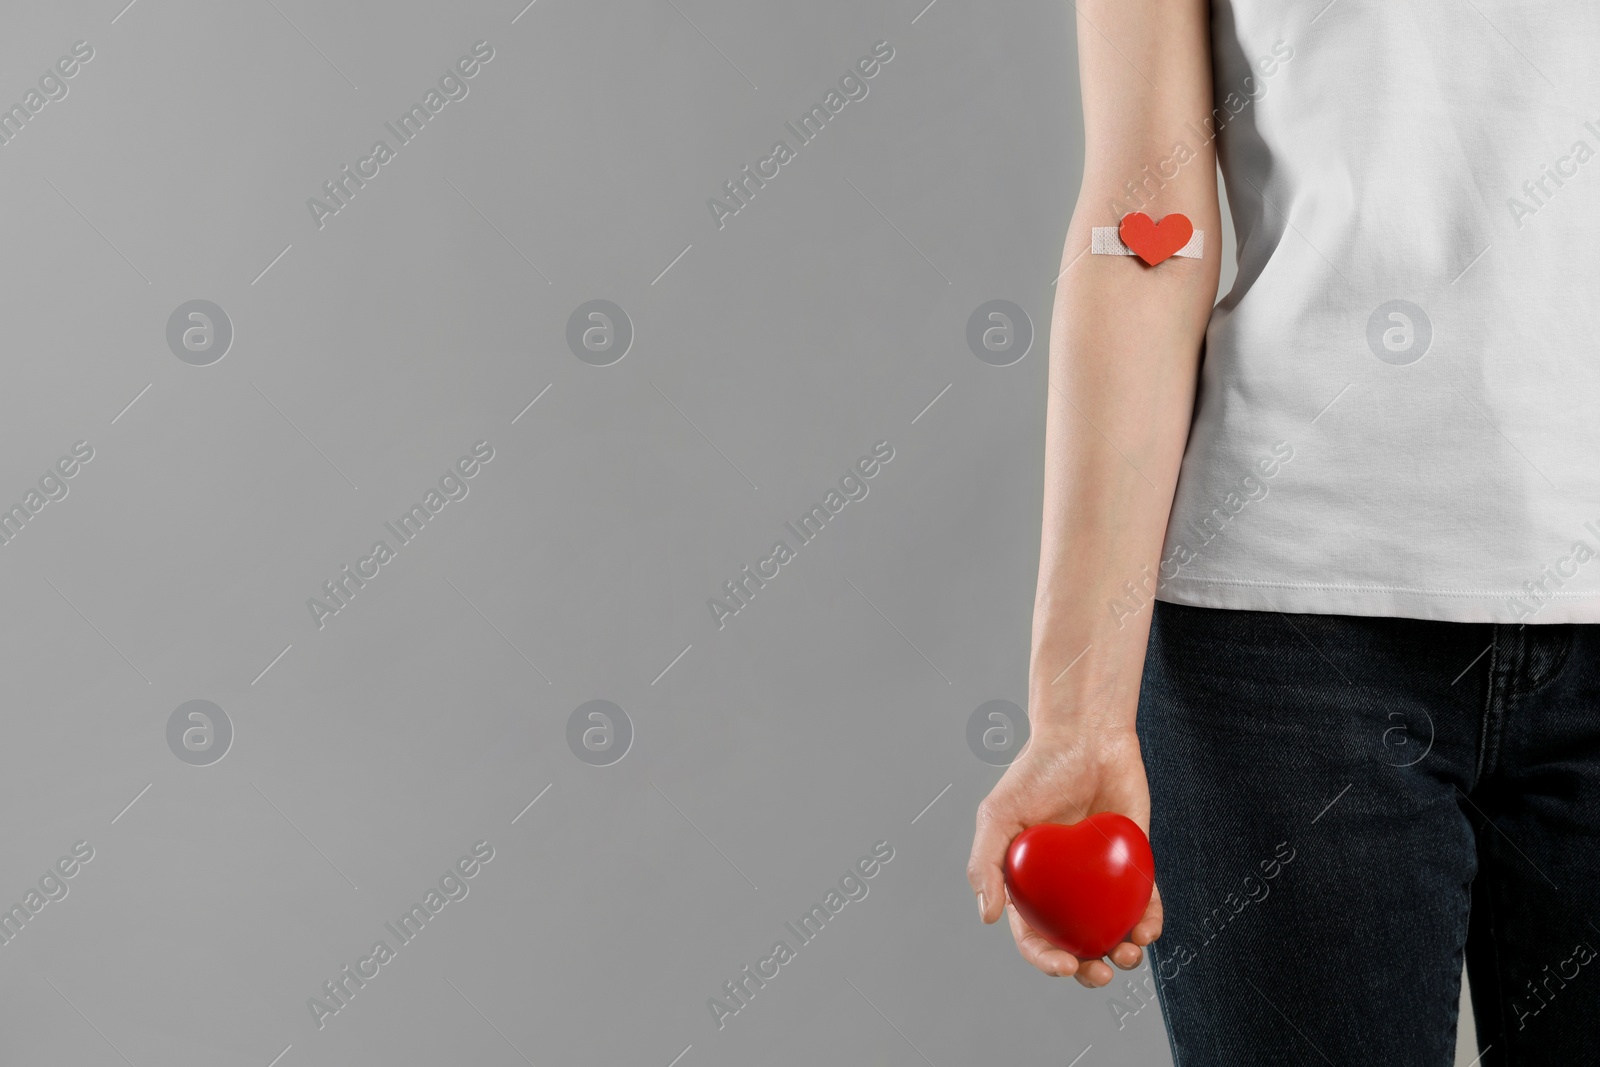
(985, 872)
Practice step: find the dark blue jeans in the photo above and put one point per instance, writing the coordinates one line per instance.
(1343, 807)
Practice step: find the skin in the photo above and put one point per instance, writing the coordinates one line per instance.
(1125, 347)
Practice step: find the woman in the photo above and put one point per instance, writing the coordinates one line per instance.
(1332, 586)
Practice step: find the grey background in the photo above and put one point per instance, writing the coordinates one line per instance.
(368, 355)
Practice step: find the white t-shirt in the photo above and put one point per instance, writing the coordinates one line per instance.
(1399, 408)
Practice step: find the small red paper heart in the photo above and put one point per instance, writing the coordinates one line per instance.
(1082, 887)
(1155, 241)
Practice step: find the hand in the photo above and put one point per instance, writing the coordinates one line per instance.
(1063, 777)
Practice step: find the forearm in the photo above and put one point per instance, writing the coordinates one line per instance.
(1125, 346)
(1124, 355)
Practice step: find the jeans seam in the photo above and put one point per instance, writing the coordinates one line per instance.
(1172, 1039)
(1461, 959)
(1560, 665)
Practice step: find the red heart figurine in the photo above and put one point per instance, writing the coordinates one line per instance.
(1154, 241)
(1082, 886)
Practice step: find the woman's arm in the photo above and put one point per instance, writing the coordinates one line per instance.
(1125, 346)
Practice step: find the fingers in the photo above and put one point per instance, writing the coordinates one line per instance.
(1091, 974)
(1126, 955)
(1039, 952)
(1094, 974)
(984, 871)
(1130, 953)
(1148, 928)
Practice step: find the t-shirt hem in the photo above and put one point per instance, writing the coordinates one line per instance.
(1441, 605)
